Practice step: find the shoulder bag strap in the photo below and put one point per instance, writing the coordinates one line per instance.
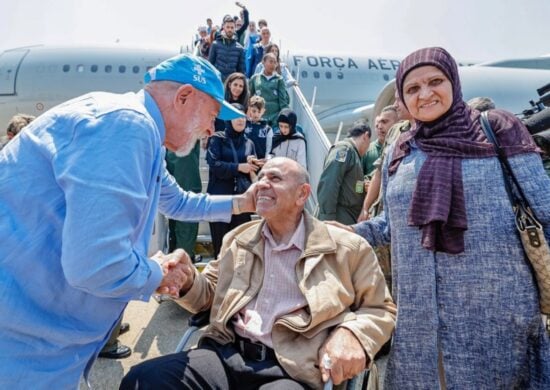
(524, 216)
(488, 130)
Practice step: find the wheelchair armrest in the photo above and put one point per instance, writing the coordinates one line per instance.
(200, 319)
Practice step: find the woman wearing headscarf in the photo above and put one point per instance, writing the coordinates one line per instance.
(288, 142)
(227, 157)
(468, 308)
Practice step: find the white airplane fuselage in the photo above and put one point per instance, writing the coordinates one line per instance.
(34, 79)
(342, 88)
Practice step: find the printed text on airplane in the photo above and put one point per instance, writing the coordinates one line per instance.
(347, 62)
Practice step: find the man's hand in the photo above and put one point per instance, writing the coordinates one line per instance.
(178, 273)
(340, 225)
(246, 203)
(346, 354)
(239, 4)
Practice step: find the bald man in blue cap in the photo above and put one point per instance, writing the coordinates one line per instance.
(80, 190)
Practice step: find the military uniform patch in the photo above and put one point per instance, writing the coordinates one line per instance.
(341, 155)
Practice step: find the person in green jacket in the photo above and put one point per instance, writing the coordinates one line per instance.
(271, 86)
(340, 192)
(382, 123)
(187, 174)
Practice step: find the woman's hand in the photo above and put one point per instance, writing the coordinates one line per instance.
(363, 216)
(259, 162)
(247, 168)
(366, 185)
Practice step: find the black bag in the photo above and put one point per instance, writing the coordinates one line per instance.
(242, 181)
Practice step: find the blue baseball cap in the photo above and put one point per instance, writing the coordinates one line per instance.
(193, 70)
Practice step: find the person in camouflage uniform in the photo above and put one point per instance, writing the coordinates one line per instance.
(340, 192)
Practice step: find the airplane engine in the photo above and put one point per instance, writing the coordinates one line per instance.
(539, 122)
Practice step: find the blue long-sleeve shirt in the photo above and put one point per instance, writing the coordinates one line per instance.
(79, 191)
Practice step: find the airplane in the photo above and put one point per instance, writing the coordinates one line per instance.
(342, 88)
(339, 88)
(36, 78)
(542, 62)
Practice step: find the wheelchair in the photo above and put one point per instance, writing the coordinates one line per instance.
(199, 320)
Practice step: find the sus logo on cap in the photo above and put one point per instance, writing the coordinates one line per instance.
(188, 69)
(198, 77)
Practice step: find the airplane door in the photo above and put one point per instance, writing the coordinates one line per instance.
(9, 66)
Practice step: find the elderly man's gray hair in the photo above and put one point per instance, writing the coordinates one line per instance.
(481, 103)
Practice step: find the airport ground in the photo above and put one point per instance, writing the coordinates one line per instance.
(154, 331)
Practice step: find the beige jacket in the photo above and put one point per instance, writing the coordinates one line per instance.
(338, 274)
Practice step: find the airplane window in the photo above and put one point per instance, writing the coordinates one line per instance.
(108, 68)
(121, 69)
(293, 73)
(93, 68)
(135, 69)
(304, 74)
(328, 75)
(340, 75)
(80, 68)
(66, 68)
(316, 74)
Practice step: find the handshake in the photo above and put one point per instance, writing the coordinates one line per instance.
(178, 272)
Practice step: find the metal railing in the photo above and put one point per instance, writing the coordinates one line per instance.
(318, 143)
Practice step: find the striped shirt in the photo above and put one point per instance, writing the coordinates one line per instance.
(279, 294)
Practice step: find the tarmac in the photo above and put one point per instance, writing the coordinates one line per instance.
(155, 330)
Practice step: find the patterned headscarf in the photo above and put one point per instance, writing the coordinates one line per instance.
(438, 205)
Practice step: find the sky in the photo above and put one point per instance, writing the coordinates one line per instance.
(471, 30)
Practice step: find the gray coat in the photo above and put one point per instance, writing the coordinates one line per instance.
(479, 309)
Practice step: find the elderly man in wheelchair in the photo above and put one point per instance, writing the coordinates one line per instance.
(294, 302)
